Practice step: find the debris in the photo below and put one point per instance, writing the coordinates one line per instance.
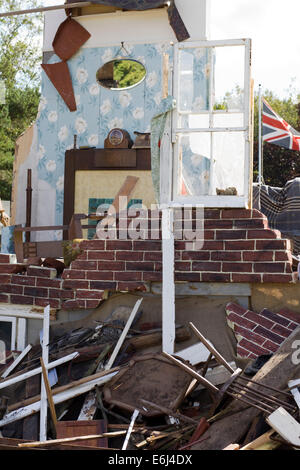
(286, 426)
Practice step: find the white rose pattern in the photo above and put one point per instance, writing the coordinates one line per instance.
(80, 125)
(125, 99)
(105, 108)
(60, 183)
(94, 89)
(115, 123)
(138, 113)
(63, 133)
(52, 116)
(51, 166)
(93, 140)
(82, 76)
(151, 79)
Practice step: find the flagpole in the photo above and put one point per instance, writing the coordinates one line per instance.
(260, 146)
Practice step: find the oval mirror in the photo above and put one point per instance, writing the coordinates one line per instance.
(121, 73)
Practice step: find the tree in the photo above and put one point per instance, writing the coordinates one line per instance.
(20, 56)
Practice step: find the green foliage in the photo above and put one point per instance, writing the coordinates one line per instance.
(128, 72)
(20, 56)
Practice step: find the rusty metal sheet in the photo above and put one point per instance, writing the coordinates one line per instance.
(149, 377)
(83, 428)
(59, 75)
(69, 37)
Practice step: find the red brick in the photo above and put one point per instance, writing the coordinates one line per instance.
(237, 267)
(283, 256)
(74, 304)
(277, 278)
(258, 255)
(251, 223)
(100, 275)
(196, 255)
(73, 274)
(209, 234)
(187, 277)
(257, 214)
(236, 308)
(226, 256)
(212, 213)
(5, 278)
(218, 224)
(271, 346)
(4, 298)
(268, 334)
(271, 244)
(36, 291)
(103, 255)
(236, 214)
(89, 303)
(21, 299)
(23, 280)
(215, 277)
(252, 278)
(152, 277)
(263, 234)
(212, 245)
(92, 245)
(269, 267)
(134, 255)
(84, 265)
(82, 256)
(241, 321)
(128, 276)
(39, 271)
(207, 266)
(147, 245)
(54, 303)
(241, 352)
(182, 266)
(250, 335)
(9, 268)
(290, 315)
(4, 258)
(239, 245)
(293, 326)
(151, 256)
(282, 331)
(61, 294)
(89, 294)
(231, 234)
(103, 285)
(260, 320)
(131, 286)
(11, 289)
(75, 284)
(119, 245)
(44, 282)
(274, 317)
(139, 266)
(254, 348)
(111, 265)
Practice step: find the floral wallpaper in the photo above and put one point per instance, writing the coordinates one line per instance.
(98, 109)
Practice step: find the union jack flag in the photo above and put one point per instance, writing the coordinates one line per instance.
(277, 131)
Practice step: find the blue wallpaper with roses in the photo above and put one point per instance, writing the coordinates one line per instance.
(98, 109)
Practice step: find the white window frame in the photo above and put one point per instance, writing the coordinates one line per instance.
(13, 322)
(170, 193)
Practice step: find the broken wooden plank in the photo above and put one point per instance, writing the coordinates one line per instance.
(133, 418)
(16, 361)
(285, 425)
(71, 439)
(194, 354)
(64, 395)
(123, 335)
(49, 393)
(263, 442)
(275, 373)
(192, 372)
(38, 370)
(151, 339)
(211, 348)
(168, 412)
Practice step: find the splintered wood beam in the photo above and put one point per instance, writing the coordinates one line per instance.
(16, 362)
(42, 9)
(49, 393)
(72, 439)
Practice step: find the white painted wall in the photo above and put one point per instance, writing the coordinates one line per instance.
(137, 27)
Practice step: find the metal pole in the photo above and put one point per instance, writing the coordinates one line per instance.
(42, 9)
(260, 146)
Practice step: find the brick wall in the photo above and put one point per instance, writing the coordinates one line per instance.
(237, 247)
(260, 333)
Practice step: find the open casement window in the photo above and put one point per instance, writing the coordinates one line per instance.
(211, 130)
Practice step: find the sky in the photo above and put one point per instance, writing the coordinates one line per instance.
(273, 26)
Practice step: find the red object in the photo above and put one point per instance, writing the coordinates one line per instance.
(59, 75)
(200, 430)
(68, 39)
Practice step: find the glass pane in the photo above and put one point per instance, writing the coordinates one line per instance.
(194, 121)
(228, 163)
(6, 333)
(194, 164)
(229, 77)
(228, 120)
(194, 78)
